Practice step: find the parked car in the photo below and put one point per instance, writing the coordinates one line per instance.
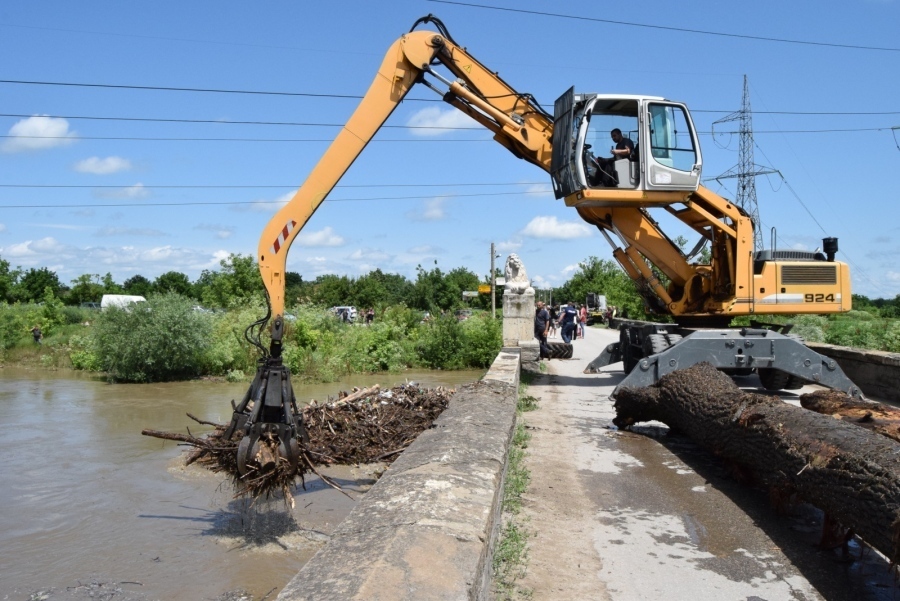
(95, 306)
(351, 312)
(463, 314)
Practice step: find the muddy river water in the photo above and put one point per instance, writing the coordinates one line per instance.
(83, 495)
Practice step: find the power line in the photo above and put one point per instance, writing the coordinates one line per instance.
(222, 121)
(413, 140)
(250, 186)
(147, 205)
(669, 28)
(174, 89)
(427, 127)
(153, 139)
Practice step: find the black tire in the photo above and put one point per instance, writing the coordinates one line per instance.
(629, 361)
(773, 379)
(560, 350)
(794, 382)
(674, 339)
(655, 343)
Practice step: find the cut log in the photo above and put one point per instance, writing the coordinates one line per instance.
(360, 394)
(883, 419)
(848, 472)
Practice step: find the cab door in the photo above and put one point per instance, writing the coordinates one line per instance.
(670, 150)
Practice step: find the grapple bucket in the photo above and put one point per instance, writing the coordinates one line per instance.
(269, 421)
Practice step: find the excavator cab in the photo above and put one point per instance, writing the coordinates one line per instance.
(666, 151)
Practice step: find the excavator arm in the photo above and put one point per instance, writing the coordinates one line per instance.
(517, 121)
(267, 420)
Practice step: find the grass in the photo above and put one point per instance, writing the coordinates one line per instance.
(511, 554)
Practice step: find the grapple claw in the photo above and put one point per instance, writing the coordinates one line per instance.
(268, 420)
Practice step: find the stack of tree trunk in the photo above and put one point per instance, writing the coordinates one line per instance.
(849, 472)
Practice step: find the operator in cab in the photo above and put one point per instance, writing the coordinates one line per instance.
(623, 149)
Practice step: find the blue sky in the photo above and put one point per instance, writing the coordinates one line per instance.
(123, 196)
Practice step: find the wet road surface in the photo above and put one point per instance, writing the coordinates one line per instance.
(642, 514)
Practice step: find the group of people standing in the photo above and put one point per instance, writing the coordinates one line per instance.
(570, 318)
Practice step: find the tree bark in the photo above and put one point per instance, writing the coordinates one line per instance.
(850, 473)
(882, 419)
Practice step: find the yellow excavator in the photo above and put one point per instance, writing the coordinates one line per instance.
(658, 170)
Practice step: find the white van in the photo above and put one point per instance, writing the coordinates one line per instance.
(120, 300)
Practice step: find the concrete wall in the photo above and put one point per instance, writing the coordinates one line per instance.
(426, 530)
(875, 372)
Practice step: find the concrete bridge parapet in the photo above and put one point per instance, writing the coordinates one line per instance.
(426, 530)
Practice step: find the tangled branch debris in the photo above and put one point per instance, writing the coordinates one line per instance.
(364, 426)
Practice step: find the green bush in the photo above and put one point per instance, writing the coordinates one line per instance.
(810, 327)
(12, 326)
(440, 344)
(83, 355)
(162, 339)
(481, 341)
(227, 350)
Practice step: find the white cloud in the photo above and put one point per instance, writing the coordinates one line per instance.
(442, 122)
(432, 211)
(221, 232)
(570, 268)
(425, 250)
(128, 231)
(550, 227)
(266, 206)
(134, 192)
(31, 248)
(57, 226)
(38, 133)
(369, 254)
(539, 190)
(508, 246)
(324, 237)
(2, 227)
(99, 166)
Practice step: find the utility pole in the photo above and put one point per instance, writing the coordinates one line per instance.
(746, 170)
(493, 286)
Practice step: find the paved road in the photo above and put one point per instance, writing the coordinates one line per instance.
(643, 515)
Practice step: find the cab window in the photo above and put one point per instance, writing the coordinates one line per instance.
(671, 143)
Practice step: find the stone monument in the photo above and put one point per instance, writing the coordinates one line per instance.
(518, 313)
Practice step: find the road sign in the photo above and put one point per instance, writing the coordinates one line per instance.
(470, 293)
(484, 289)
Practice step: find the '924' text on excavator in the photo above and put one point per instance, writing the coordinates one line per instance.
(661, 172)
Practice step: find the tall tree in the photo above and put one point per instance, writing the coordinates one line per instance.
(236, 283)
(85, 289)
(137, 285)
(173, 281)
(30, 288)
(8, 279)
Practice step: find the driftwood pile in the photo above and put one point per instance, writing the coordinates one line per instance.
(365, 426)
(849, 472)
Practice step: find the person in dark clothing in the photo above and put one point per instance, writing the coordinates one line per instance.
(36, 333)
(541, 327)
(567, 321)
(623, 149)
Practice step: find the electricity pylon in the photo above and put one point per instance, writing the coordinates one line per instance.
(746, 170)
